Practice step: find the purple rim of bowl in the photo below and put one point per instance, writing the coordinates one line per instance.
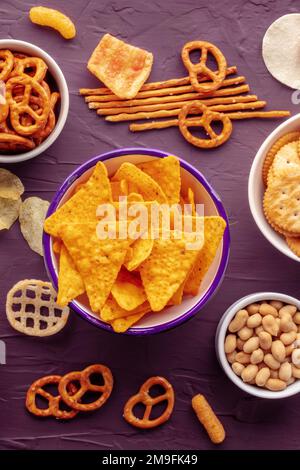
(225, 252)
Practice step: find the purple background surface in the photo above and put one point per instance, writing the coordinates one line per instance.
(185, 355)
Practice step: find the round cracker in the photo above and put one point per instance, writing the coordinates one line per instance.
(286, 159)
(32, 215)
(9, 212)
(294, 244)
(285, 139)
(280, 50)
(11, 187)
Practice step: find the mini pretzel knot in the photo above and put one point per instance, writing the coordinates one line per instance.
(205, 120)
(144, 397)
(200, 70)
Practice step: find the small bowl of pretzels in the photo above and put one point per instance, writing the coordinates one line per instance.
(34, 101)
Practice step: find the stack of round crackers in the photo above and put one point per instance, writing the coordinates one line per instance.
(281, 175)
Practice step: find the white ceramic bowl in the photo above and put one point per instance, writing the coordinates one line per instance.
(292, 389)
(55, 71)
(256, 187)
(204, 193)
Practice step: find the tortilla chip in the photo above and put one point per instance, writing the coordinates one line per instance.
(120, 325)
(57, 244)
(176, 299)
(98, 261)
(166, 268)
(9, 212)
(11, 186)
(32, 216)
(118, 189)
(166, 172)
(70, 283)
(111, 310)
(214, 227)
(128, 291)
(83, 204)
(140, 182)
(135, 197)
(191, 201)
(138, 253)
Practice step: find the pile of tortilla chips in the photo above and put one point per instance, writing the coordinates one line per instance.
(125, 279)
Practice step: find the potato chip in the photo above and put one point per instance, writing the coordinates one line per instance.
(166, 268)
(98, 261)
(118, 189)
(11, 186)
(138, 252)
(166, 172)
(140, 182)
(83, 204)
(32, 216)
(120, 325)
(70, 283)
(128, 291)
(9, 212)
(214, 227)
(111, 310)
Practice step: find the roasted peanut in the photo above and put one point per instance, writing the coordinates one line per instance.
(289, 349)
(249, 373)
(230, 344)
(262, 376)
(271, 362)
(291, 381)
(265, 340)
(285, 371)
(257, 356)
(254, 321)
(239, 321)
(275, 385)
(291, 309)
(278, 350)
(288, 338)
(295, 372)
(242, 357)
(274, 374)
(251, 344)
(270, 325)
(237, 368)
(231, 357)
(240, 344)
(287, 324)
(245, 333)
(267, 309)
(253, 309)
(259, 329)
(276, 304)
(296, 318)
(296, 357)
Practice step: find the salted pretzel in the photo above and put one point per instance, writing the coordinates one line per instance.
(200, 70)
(6, 63)
(33, 67)
(11, 142)
(144, 397)
(206, 118)
(83, 377)
(22, 107)
(43, 133)
(54, 402)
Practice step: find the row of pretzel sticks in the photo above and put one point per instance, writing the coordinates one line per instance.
(152, 85)
(221, 108)
(195, 121)
(234, 91)
(178, 90)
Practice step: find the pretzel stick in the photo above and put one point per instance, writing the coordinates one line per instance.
(171, 99)
(238, 115)
(151, 85)
(157, 107)
(163, 91)
(174, 112)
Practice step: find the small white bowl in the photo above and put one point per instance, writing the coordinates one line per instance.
(256, 187)
(55, 71)
(222, 328)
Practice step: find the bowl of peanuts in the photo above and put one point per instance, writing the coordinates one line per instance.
(34, 101)
(258, 344)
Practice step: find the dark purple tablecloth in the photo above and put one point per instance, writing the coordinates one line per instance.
(185, 355)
